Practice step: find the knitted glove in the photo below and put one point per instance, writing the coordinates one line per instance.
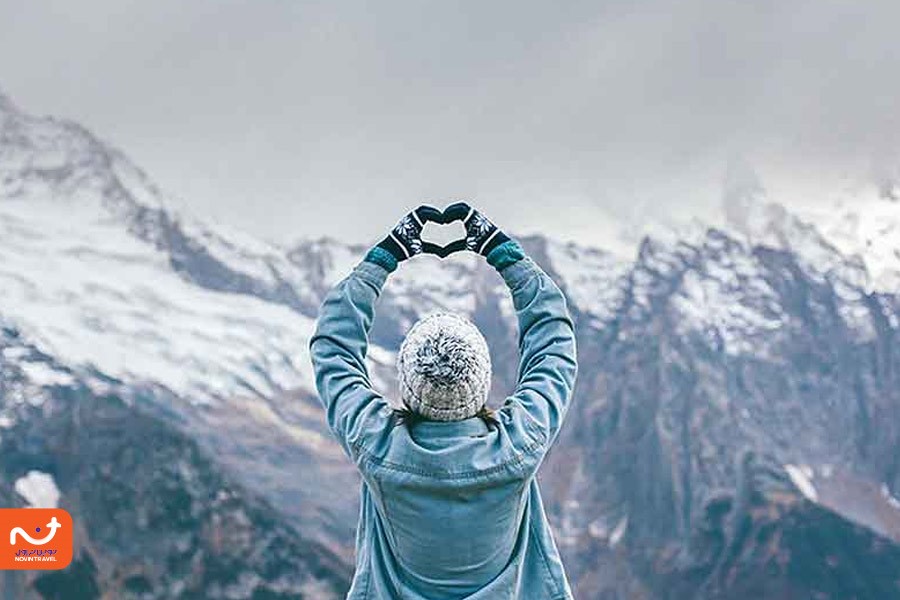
(482, 235)
(404, 240)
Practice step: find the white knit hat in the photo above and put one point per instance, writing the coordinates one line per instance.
(444, 368)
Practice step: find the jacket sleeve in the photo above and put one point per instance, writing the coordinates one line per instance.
(338, 350)
(547, 354)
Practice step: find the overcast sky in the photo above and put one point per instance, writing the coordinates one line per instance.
(293, 118)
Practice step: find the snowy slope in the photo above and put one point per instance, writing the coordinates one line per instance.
(852, 232)
(92, 295)
(848, 246)
(100, 269)
(592, 278)
(864, 221)
(723, 295)
(84, 273)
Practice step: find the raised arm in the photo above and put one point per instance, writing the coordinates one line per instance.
(341, 339)
(547, 356)
(338, 350)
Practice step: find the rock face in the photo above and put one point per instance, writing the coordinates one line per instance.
(155, 516)
(735, 431)
(725, 366)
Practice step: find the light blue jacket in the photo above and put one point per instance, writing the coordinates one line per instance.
(451, 509)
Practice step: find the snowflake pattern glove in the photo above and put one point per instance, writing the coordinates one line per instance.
(482, 235)
(405, 241)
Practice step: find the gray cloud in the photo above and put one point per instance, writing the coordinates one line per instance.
(298, 118)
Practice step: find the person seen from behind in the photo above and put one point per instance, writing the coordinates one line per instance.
(450, 506)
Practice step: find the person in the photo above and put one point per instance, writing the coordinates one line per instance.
(450, 506)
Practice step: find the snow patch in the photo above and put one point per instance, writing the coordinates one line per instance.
(38, 489)
(12, 353)
(862, 221)
(42, 374)
(599, 529)
(886, 493)
(591, 277)
(802, 476)
(726, 312)
(618, 532)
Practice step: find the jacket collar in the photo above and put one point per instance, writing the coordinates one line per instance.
(470, 426)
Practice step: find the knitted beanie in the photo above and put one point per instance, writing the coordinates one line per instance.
(444, 368)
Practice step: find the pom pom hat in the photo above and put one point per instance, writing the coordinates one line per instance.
(444, 368)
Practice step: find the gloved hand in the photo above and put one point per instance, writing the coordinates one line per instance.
(482, 235)
(405, 241)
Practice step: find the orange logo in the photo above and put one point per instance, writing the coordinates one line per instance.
(35, 538)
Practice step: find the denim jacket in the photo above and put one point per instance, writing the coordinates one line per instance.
(451, 509)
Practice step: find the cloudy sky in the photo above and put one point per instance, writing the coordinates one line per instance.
(294, 118)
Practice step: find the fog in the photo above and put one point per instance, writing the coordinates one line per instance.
(295, 119)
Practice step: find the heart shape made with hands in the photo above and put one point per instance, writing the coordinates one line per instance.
(434, 234)
(456, 212)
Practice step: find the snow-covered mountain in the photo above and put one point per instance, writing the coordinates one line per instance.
(737, 410)
(859, 221)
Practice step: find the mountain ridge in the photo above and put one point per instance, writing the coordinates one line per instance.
(726, 372)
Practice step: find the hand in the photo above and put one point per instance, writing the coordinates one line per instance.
(405, 241)
(482, 235)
